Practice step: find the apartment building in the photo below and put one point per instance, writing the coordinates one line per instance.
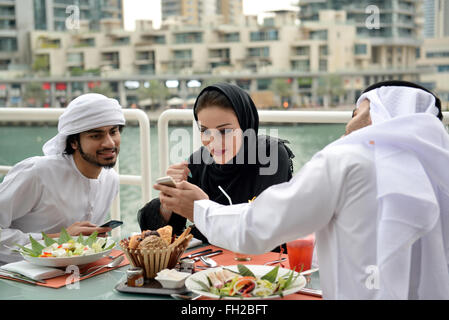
(434, 52)
(250, 55)
(202, 12)
(19, 17)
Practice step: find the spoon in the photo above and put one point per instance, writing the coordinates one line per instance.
(209, 262)
(112, 264)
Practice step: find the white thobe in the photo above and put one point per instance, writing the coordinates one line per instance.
(44, 194)
(334, 195)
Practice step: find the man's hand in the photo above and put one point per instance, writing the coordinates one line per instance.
(84, 228)
(181, 198)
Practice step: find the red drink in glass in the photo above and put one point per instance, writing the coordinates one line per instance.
(300, 253)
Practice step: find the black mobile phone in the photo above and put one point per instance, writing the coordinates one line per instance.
(112, 224)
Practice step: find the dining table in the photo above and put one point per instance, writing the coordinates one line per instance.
(102, 286)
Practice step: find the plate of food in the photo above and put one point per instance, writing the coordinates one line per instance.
(248, 282)
(65, 250)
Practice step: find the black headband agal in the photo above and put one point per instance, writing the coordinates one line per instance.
(398, 83)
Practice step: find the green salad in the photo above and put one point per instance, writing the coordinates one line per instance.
(244, 284)
(66, 246)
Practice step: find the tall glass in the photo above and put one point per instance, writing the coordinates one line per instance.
(300, 253)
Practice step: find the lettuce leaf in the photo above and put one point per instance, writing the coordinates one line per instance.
(272, 275)
(36, 247)
(91, 239)
(64, 236)
(244, 271)
(47, 240)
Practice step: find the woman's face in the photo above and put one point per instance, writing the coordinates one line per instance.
(220, 132)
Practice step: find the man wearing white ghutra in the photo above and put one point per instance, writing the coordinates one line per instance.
(72, 185)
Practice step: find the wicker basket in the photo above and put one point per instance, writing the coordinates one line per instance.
(153, 261)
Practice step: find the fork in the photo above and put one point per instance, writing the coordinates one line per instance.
(209, 262)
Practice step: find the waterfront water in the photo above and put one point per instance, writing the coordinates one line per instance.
(18, 143)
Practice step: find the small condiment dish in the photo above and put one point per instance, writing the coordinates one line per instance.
(172, 279)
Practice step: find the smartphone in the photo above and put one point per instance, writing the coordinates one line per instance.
(112, 224)
(166, 181)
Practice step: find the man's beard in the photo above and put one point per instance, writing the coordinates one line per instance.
(92, 160)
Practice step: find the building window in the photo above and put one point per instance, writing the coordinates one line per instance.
(301, 65)
(230, 37)
(360, 49)
(318, 35)
(263, 84)
(8, 44)
(302, 51)
(268, 35)
(189, 37)
(323, 65)
(437, 54)
(443, 68)
(259, 52)
(182, 54)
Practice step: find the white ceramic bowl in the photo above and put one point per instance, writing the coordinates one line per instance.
(66, 261)
(170, 282)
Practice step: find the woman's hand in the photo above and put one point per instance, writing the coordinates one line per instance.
(179, 172)
(181, 198)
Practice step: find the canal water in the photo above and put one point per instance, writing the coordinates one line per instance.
(20, 142)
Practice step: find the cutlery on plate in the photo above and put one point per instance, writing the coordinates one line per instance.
(196, 254)
(274, 261)
(211, 263)
(112, 264)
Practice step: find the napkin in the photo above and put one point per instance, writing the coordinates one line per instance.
(194, 243)
(33, 271)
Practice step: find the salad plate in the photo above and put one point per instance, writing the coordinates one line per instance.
(268, 283)
(65, 251)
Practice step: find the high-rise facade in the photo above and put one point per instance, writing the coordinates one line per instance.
(434, 51)
(201, 12)
(436, 15)
(396, 18)
(19, 17)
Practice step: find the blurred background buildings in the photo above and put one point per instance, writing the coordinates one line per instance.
(323, 54)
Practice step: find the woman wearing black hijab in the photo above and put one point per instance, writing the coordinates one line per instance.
(225, 113)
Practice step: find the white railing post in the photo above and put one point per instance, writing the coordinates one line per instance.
(162, 132)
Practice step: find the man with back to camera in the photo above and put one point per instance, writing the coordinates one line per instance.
(72, 185)
(377, 200)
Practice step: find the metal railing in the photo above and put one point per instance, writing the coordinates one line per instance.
(144, 180)
(265, 116)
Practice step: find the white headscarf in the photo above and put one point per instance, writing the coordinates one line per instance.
(411, 148)
(88, 111)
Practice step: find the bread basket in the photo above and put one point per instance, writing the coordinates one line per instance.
(154, 260)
